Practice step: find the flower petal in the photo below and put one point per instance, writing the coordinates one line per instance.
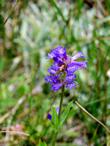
(49, 116)
(52, 79)
(48, 79)
(57, 86)
(57, 110)
(82, 64)
(58, 52)
(53, 69)
(69, 78)
(70, 86)
(78, 55)
(74, 66)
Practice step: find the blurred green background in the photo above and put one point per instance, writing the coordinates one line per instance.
(29, 29)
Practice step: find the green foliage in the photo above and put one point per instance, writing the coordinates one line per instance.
(32, 29)
(2, 29)
(66, 113)
(42, 144)
(2, 2)
(55, 119)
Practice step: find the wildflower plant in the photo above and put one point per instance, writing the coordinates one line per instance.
(62, 74)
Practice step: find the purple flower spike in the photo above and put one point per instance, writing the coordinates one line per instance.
(62, 72)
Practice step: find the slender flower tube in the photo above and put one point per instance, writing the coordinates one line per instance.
(62, 71)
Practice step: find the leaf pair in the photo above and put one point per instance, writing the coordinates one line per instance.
(57, 121)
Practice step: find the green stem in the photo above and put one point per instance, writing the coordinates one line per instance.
(90, 115)
(54, 138)
(54, 3)
(60, 108)
(61, 101)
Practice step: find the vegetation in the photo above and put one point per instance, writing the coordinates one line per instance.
(28, 31)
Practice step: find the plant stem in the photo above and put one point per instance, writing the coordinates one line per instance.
(59, 114)
(54, 3)
(61, 101)
(90, 115)
(54, 138)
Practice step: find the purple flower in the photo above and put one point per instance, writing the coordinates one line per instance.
(49, 116)
(62, 71)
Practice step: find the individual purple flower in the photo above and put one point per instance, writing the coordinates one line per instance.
(49, 116)
(62, 71)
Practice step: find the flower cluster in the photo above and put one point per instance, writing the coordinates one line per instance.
(62, 71)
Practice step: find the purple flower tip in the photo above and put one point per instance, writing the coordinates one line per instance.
(49, 116)
(57, 110)
(62, 72)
